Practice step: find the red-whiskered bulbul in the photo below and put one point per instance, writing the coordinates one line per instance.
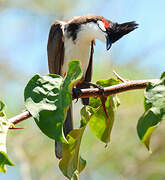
(74, 39)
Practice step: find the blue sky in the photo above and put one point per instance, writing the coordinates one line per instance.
(24, 33)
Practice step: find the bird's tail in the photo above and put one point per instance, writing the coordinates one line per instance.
(67, 127)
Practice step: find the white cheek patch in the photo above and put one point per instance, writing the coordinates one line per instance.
(101, 25)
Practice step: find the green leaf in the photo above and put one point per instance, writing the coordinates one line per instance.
(154, 110)
(48, 98)
(99, 124)
(72, 163)
(4, 125)
(2, 106)
(108, 82)
(4, 160)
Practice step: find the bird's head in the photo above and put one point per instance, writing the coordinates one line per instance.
(114, 31)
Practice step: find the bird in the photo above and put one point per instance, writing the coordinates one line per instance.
(74, 39)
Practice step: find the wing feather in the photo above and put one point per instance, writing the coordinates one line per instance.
(55, 48)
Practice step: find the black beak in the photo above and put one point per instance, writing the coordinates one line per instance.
(108, 42)
(116, 31)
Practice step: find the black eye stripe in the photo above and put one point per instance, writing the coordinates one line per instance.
(102, 29)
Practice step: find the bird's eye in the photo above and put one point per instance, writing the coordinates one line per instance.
(101, 25)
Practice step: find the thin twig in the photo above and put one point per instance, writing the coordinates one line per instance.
(119, 77)
(94, 92)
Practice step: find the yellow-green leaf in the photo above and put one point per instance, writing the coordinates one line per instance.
(72, 163)
(4, 160)
(71, 158)
(99, 123)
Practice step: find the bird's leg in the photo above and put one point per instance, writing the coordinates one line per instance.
(85, 84)
(103, 98)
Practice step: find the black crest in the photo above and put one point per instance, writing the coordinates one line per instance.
(116, 31)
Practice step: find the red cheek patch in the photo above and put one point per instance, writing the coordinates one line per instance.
(106, 23)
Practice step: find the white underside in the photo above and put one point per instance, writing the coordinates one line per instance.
(81, 47)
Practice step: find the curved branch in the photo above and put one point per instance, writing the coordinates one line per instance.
(94, 92)
(20, 117)
(126, 86)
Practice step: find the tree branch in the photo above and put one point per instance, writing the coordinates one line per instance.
(94, 92)
(126, 86)
(20, 117)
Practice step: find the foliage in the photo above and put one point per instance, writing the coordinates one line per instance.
(4, 125)
(48, 98)
(101, 122)
(154, 105)
(71, 163)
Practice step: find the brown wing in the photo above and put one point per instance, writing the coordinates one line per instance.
(55, 48)
(88, 74)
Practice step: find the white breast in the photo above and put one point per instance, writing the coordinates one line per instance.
(76, 51)
(80, 49)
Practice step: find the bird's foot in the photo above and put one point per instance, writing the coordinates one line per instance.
(76, 93)
(101, 88)
(103, 98)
